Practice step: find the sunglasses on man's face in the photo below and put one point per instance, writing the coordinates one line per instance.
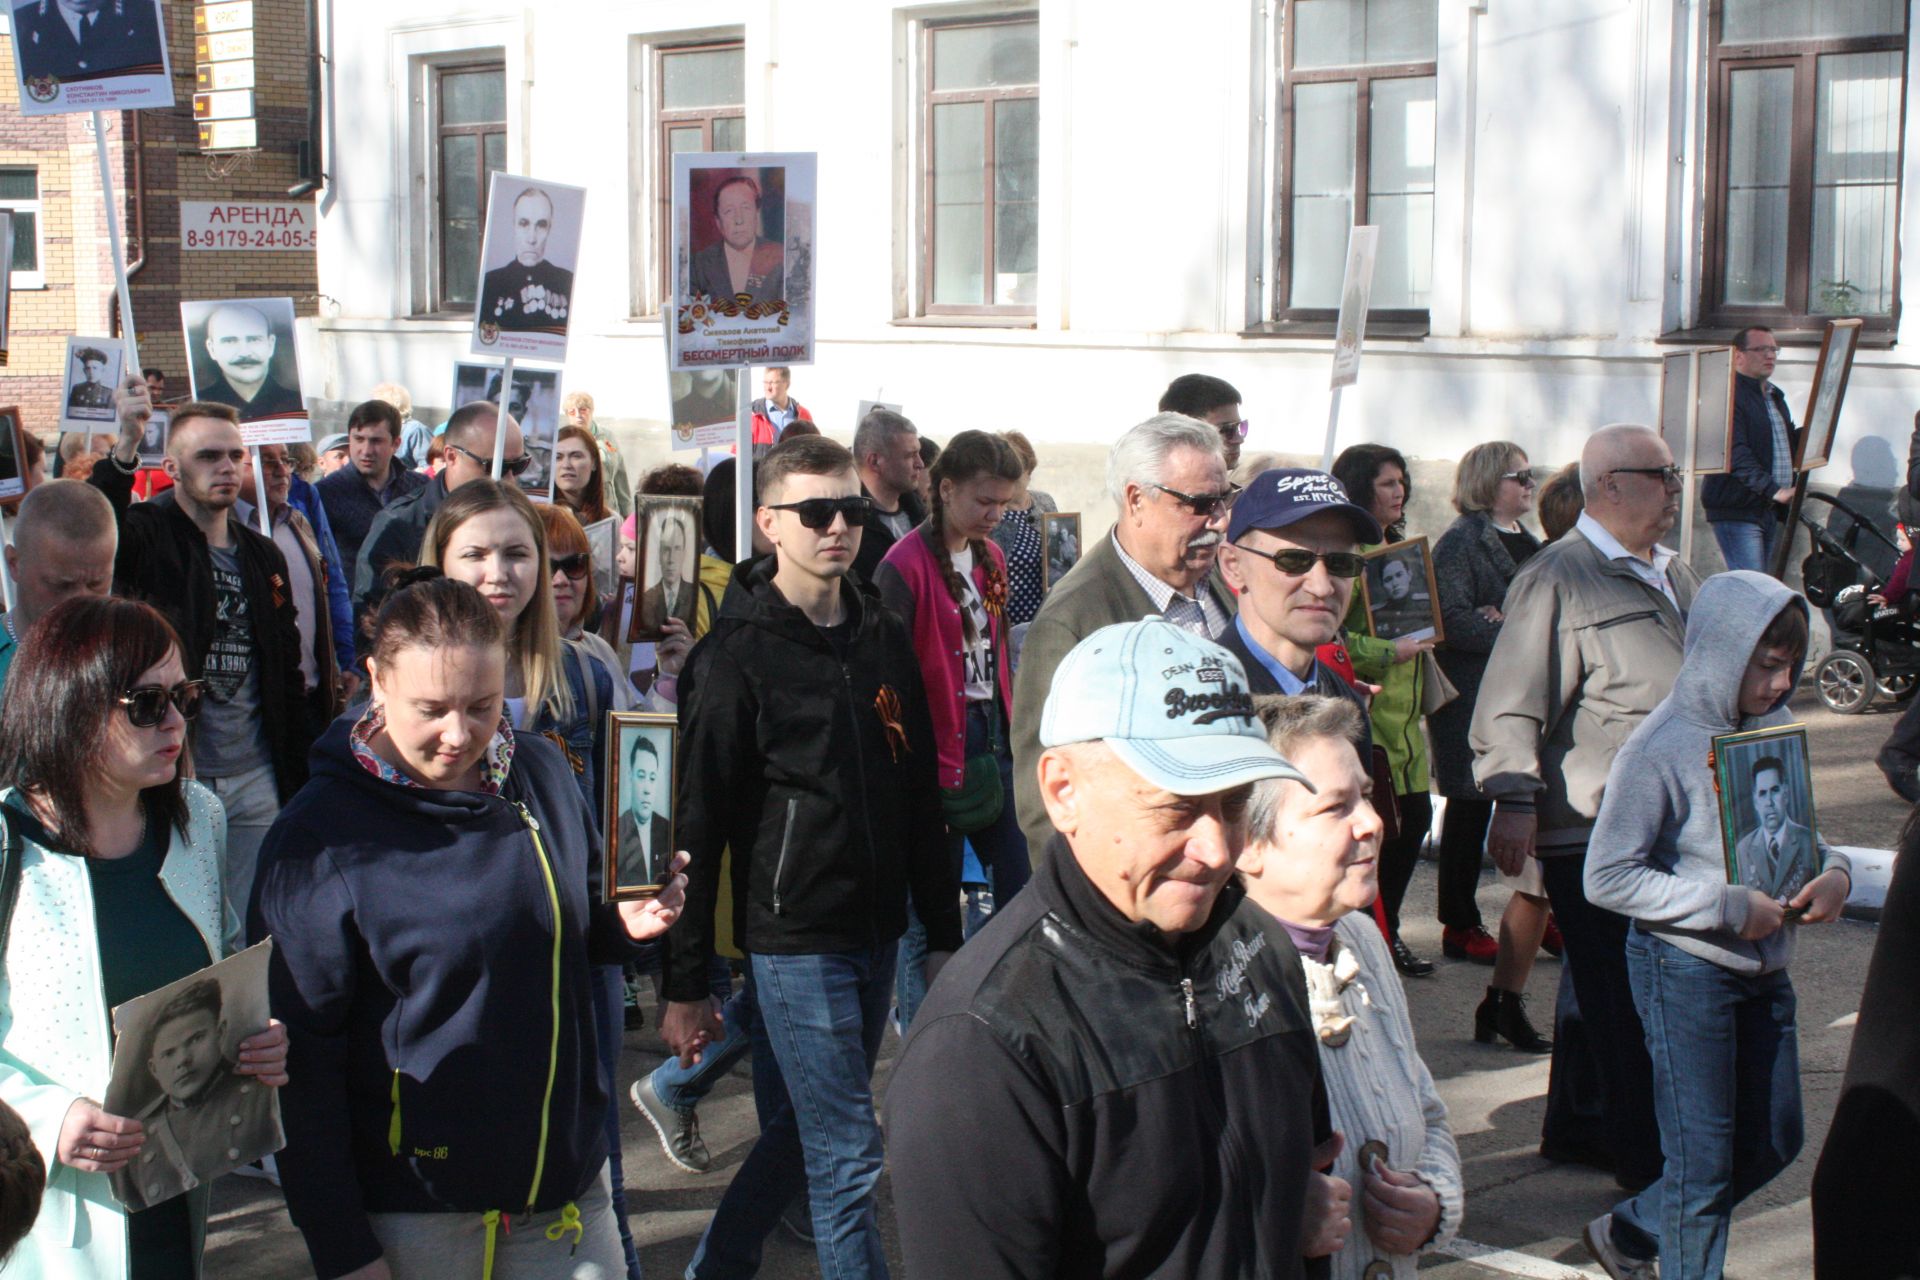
(511, 467)
(1235, 430)
(576, 566)
(818, 513)
(147, 705)
(1298, 562)
(1208, 506)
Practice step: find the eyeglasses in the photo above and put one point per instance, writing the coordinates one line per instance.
(818, 513)
(147, 705)
(511, 467)
(1235, 430)
(1205, 505)
(1524, 477)
(1761, 351)
(576, 566)
(1298, 562)
(1668, 475)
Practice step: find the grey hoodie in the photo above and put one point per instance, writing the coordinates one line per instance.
(1656, 855)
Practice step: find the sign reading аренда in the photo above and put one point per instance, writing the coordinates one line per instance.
(266, 225)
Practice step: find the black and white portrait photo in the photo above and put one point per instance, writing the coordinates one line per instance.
(174, 1070)
(90, 55)
(665, 558)
(641, 759)
(13, 453)
(240, 353)
(153, 442)
(603, 546)
(1766, 809)
(1061, 531)
(1402, 602)
(93, 371)
(534, 404)
(527, 265)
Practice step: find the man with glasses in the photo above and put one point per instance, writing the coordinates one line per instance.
(1168, 477)
(1745, 504)
(807, 750)
(397, 532)
(1213, 401)
(1595, 624)
(224, 587)
(1291, 553)
(886, 448)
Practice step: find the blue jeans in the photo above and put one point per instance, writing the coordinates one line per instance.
(680, 1087)
(1747, 544)
(609, 1016)
(818, 1031)
(1726, 1070)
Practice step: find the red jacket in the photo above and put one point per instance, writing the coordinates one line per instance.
(763, 432)
(912, 586)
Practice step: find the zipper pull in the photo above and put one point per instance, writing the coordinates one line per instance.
(1186, 990)
(533, 823)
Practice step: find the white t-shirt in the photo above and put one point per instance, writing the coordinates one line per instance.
(976, 662)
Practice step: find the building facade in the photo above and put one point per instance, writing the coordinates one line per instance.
(1036, 215)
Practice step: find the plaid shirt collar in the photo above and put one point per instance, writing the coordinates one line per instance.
(1163, 595)
(493, 766)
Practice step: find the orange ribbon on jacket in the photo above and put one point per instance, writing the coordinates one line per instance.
(886, 704)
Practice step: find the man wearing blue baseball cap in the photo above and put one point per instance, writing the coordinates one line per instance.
(1291, 554)
(1117, 1076)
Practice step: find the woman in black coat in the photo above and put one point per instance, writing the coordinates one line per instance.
(1474, 562)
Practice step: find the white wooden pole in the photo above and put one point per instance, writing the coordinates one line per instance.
(743, 472)
(1333, 429)
(1685, 463)
(132, 367)
(6, 570)
(260, 493)
(500, 419)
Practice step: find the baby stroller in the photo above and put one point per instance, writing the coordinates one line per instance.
(1876, 648)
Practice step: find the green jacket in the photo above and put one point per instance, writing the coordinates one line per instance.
(1396, 708)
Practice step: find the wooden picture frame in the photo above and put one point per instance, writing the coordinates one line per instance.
(1830, 375)
(1402, 616)
(1758, 775)
(648, 621)
(1052, 567)
(13, 466)
(1713, 414)
(628, 872)
(1676, 399)
(603, 548)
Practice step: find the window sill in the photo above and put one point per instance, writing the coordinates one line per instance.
(965, 322)
(1377, 330)
(1870, 339)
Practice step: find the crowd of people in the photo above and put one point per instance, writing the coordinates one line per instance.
(1121, 857)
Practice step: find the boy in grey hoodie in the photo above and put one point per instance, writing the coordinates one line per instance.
(1707, 959)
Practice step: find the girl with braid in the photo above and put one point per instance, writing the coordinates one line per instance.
(948, 583)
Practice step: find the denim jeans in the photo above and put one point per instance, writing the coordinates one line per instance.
(1747, 544)
(819, 1027)
(252, 802)
(681, 1087)
(609, 1017)
(1726, 1070)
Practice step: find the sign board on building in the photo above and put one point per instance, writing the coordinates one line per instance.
(224, 47)
(228, 104)
(216, 77)
(223, 75)
(234, 15)
(249, 224)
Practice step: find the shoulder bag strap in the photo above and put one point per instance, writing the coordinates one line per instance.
(10, 841)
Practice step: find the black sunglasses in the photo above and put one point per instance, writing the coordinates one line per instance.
(576, 566)
(1524, 477)
(511, 467)
(1235, 430)
(147, 705)
(818, 513)
(1667, 475)
(1298, 562)
(1205, 505)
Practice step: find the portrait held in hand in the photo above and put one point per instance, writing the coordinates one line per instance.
(1766, 809)
(1402, 600)
(93, 371)
(241, 354)
(641, 755)
(664, 565)
(528, 262)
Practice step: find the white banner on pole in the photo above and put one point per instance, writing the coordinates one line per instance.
(1356, 290)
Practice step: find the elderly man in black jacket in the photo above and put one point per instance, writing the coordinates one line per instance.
(1742, 504)
(1118, 1075)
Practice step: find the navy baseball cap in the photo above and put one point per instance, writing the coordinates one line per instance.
(1285, 495)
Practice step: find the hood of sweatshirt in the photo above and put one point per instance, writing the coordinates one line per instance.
(1730, 614)
(753, 599)
(332, 757)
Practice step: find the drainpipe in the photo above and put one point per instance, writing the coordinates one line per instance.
(311, 150)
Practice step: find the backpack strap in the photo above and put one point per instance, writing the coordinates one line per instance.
(10, 845)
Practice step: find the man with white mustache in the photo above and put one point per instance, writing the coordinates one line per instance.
(1168, 477)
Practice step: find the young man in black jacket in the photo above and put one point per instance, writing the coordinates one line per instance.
(807, 749)
(1745, 504)
(224, 587)
(1119, 1076)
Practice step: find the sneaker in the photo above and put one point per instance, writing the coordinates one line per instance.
(678, 1127)
(797, 1220)
(264, 1169)
(1599, 1239)
(1551, 942)
(1474, 944)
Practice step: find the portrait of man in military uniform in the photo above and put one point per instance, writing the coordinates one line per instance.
(529, 292)
(86, 39)
(742, 260)
(208, 1118)
(89, 389)
(242, 342)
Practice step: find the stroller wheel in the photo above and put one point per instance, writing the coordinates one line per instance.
(1845, 682)
(1901, 687)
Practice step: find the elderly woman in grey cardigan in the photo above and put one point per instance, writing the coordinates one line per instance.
(1310, 860)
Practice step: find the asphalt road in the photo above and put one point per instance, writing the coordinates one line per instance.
(1524, 1216)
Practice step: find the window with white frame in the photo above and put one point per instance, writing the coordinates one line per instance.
(1357, 148)
(1806, 99)
(20, 201)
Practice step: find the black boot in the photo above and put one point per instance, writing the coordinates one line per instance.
(1409, 964)
(1504, 1013)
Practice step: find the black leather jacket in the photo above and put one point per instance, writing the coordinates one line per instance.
(1086, 1097)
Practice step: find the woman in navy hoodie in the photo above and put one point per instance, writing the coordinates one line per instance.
(434, 901)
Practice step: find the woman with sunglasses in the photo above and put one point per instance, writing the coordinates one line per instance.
(1376, 477)
(576, 601)
(434, 891)
(1475, 561)
(117, 859)
(948, 582)
(579, 482)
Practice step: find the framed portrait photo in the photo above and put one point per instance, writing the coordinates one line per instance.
(534, 402)
(666, 556)
(641, 760)
(603, 546)
(1830, 374)
(92, 372)
(153, 442)
(1402, 601)
(527, 265)
(1713, 413)
(122, 63)
(240, 353)
(13, 455)
(1765, 781)
(1060, 541)
(743, 249)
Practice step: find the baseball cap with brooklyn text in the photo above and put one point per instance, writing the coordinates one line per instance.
(1174, 707)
